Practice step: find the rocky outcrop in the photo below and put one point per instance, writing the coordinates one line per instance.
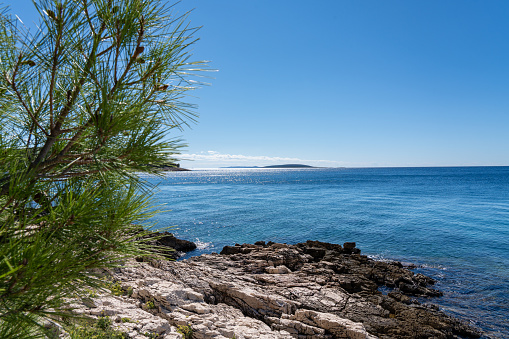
(167, 245)
(308, 290)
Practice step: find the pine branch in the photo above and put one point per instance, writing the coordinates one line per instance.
(54, 64)
(12, 83)
(55, 130)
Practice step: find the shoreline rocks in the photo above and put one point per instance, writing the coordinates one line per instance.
(272, 290)
(167, 245)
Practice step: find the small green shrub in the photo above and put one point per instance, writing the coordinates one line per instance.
(186, 331)
(103, 323)
(115, 288)
(150, 305)
(91, 293)
(100, 329)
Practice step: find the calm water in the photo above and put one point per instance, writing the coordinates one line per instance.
(454, 222)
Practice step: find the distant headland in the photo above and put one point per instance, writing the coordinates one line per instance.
(276, 166)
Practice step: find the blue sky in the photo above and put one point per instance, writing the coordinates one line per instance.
(349, 83)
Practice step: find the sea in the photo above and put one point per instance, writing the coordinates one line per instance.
(452, 222)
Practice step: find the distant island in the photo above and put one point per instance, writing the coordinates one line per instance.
(289, 166)
(276, 166)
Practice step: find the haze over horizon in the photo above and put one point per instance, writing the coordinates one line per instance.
(215, 160)
(347, 83)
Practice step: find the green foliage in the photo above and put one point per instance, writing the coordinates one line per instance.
(149, 305)
(186, 331)
(90, 293)
(86, 103)
(116, 289)
(100, 329)
(103, 323)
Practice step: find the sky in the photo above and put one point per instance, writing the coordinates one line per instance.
(343, 83)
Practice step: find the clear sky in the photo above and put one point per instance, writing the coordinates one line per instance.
(349, 83)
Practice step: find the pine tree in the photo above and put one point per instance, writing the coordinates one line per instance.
(86, 104)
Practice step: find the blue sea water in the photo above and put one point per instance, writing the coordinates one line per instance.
(453, 222)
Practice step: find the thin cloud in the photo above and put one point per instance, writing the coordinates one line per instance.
(216, 157)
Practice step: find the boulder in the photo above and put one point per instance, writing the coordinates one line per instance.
(167, 245)
(167, 239)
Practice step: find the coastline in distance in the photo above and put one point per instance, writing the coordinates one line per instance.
(276, 166)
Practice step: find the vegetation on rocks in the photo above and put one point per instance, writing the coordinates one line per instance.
(86, 102)
(98, 329)
(186, 331)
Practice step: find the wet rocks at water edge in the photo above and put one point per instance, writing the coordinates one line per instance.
(272, 290)
(167, 245)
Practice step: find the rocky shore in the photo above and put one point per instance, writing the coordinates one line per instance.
(308, 290)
